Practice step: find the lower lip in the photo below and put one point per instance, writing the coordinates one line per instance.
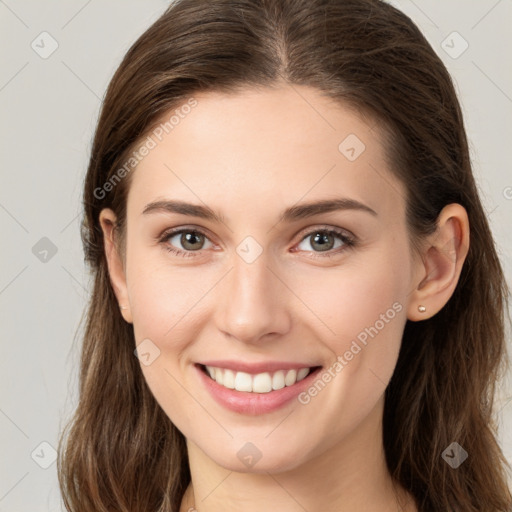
(254, 403)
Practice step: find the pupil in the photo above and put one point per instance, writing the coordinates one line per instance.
(189, 239)
(323, 239)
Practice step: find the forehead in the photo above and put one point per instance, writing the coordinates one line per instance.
(280, 144)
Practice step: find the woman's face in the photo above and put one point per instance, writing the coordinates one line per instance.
(271, 286)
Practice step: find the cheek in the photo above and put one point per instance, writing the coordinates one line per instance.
(364, 308)
(163, 297)
(165, 303)
(349, 298)
(361, 308)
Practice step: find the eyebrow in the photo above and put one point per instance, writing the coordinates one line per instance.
(293, 213)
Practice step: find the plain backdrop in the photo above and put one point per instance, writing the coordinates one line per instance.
(57, 60)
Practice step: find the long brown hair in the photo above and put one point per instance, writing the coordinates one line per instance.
(120, 452)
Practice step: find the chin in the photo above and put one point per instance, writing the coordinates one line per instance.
(250, 459)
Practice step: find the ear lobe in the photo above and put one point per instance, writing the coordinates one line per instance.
(115, 264)
(441, 264)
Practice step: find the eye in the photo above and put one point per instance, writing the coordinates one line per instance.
(329, 241)
(326, 240)
(191, 240)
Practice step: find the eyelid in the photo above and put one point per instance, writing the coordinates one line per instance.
(303, 233)
(167, 233)
(326, 227)
(348, 238)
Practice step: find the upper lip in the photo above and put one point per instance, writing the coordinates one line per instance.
(255, 368)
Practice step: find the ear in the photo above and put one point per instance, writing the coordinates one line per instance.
(438, 272)
(115, 263)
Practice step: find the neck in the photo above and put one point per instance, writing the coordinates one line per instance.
(351, 475)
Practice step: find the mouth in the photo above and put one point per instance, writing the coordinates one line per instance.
(255, 392)
(263, 382)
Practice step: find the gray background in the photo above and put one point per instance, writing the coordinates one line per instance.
(49, 108)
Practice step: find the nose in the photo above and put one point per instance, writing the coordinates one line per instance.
(253, 302)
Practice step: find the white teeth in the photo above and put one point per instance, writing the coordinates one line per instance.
(278, 380)
(218, 375)
(259, 383)
(262, 383)
(229, 379)
(243, 381)
(291, 377)
(302, 373)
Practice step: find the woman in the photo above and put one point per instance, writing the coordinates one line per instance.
(297, 302)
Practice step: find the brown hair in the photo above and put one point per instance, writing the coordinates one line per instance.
(121, 452)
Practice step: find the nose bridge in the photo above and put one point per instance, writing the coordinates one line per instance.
(253, 302)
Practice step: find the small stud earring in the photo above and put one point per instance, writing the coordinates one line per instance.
(422, 309)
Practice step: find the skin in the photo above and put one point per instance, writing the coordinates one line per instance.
(249, 156)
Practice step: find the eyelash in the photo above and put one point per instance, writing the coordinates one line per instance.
(348, 241)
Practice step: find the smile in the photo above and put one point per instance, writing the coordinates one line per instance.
(255, 389)
(258, 383)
